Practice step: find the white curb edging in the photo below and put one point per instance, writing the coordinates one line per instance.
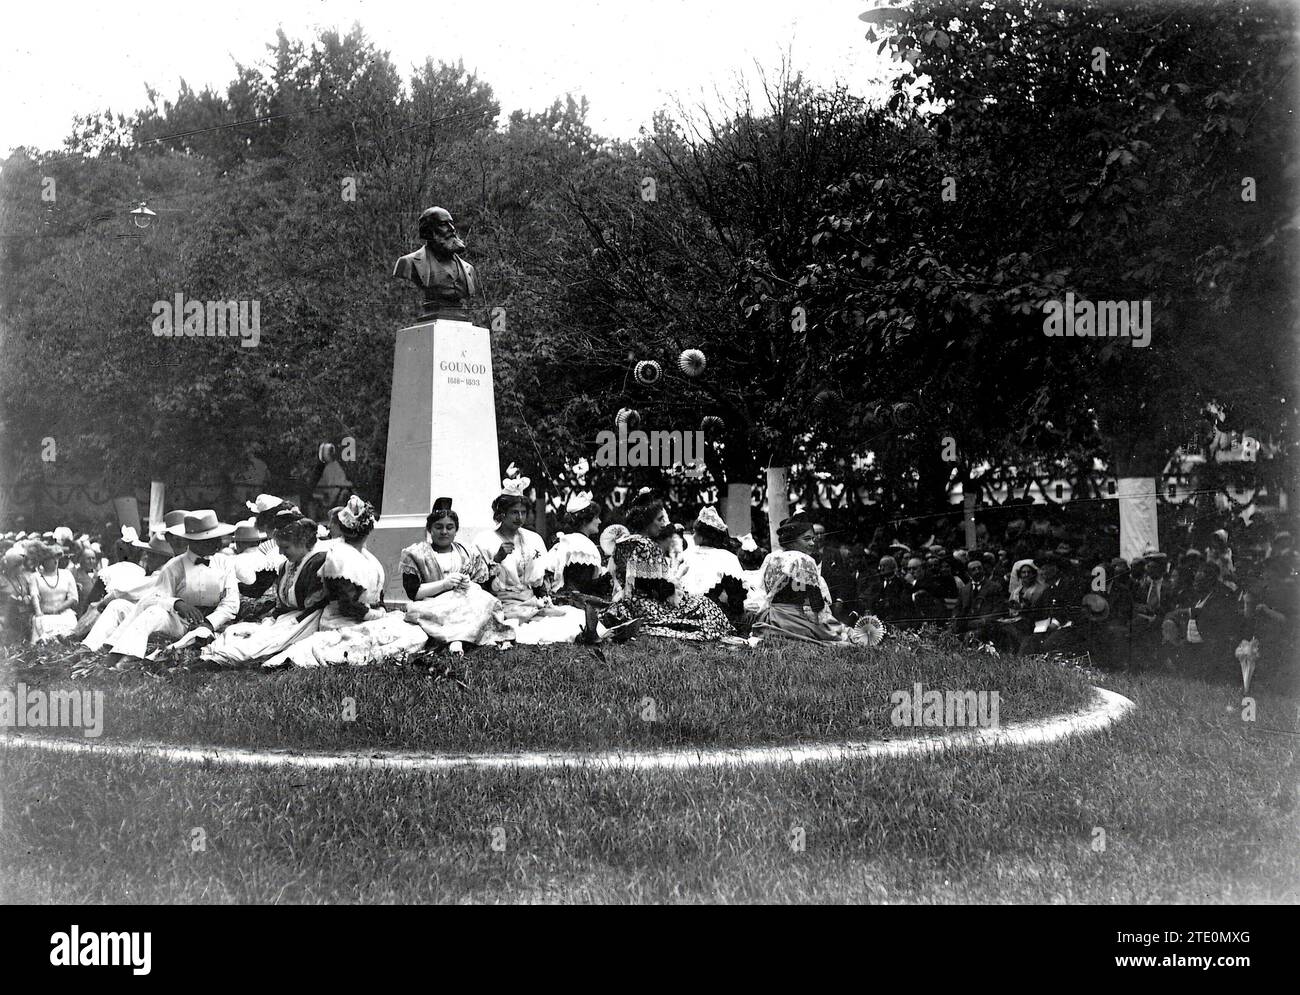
(1106, 708)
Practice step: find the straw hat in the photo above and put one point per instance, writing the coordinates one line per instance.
(247, 531)
(199, 525)
(158, 544)
(1095, 607)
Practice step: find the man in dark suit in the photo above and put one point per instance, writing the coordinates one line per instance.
(448, 281)
(890, 597)
(1209, 628)
(983, 599)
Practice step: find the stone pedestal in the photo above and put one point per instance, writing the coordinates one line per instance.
(442, 439)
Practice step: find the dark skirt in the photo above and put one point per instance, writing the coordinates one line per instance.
(695, 618)
(792, 622)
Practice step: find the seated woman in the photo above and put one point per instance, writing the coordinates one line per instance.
(712, 568)
(516, 559)
(299, 595)
(1026, 591)
(575, 569)
(793, 604)
(54, 597)
(442, 578)
(354, 627)
(651, 589)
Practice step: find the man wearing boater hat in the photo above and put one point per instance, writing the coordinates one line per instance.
(191, 590)
(168, 530)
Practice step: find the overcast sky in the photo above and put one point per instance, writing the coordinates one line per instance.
(628, 58)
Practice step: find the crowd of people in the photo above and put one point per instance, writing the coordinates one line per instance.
(278, 588)
(1039, 587)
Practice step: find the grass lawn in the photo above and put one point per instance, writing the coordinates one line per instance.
(568, 697)
(1195, 804)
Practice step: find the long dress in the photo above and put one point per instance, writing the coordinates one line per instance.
(299, 599)
(575, 570)
(795, 605)
(54, 622)
(717, 575)
(467, 616)
(643, 573)
(354, 628)
(518, 581)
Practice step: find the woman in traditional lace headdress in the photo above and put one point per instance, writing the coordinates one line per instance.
(575, 567)
(354, 627)
(652, 589)
(712, 569)
(517, 560)
(793, 602)
(443, 580)
(299, 600)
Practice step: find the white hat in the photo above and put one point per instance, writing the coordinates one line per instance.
(710, 518)
(201, 524)
(513, 484)
(580, 501)
(263, 503)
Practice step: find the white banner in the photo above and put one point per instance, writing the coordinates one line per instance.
(1138, 506)
(157, 509)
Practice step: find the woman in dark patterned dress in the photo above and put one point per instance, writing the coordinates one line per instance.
(651, 587)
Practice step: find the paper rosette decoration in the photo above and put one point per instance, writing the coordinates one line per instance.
(825, 398)
(868, 632)
(712, 423)
(647, 371)
(692, 362)
(629, 417)
(905, 414)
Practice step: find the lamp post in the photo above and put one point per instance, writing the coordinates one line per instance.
(142, 217)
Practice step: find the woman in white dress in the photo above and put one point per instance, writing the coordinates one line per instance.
(354, 627)
(54, 597)
(517, 562)
(575, 568)
(711, 567)
(443, 580)
(299, 601)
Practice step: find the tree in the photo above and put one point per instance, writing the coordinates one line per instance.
(1105, 149)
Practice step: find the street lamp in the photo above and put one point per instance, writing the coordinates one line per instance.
(142, 217)
(883, 15)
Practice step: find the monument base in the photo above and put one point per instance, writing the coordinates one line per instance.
(442, 439)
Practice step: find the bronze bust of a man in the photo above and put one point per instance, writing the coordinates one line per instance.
(447, 280)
